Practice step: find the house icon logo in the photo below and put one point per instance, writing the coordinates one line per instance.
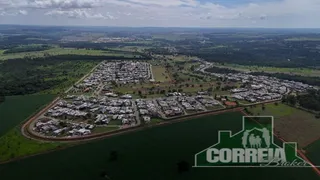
(253, 146)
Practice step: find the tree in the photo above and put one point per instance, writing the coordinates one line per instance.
(183, 166)
(2, 99)
(113, 156)
(292, 100)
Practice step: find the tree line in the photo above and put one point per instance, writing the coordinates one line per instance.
(33, 75)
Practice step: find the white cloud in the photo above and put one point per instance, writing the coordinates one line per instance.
(172, 12)
(64, 4)
(79, 13)
(23, 12)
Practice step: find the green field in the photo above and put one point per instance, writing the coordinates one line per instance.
(160, 74)
(293, 124)
(16, 109)
(13, 111)
(279, 111)
(14, 145)
(149, 154)
(64, 51)
(293, 71)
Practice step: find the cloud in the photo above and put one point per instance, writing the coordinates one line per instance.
(23, 12)
(64, 4)
(4, 12)
(79, 13)
(268, 13)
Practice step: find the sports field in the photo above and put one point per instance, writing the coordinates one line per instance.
(149, 154)
(291, 123)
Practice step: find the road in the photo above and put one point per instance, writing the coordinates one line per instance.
(27, 131)
(83, 77)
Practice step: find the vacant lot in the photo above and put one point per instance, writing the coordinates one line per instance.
(292, 124)
(150, 154)
(160, 74)
(16, 109)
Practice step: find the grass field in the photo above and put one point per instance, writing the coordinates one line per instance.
(13, 145)
(160, 74)
(64, 51)
(293, 124)
(12, 112)
(149, 154)
(17, 108)
(293, 71)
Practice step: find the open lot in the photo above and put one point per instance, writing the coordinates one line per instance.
(160, 74)
(150, 154)
(291, 123)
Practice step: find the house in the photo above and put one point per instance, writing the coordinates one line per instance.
(146, 119)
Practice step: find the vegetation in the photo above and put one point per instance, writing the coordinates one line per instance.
(161, 74)
(292, 124)
(18, 108)
(14, 111)
(52, 74)
(138, 149)
(27, 48)
(14, 145)
(69, 51)
(266, 69)
(311, 100)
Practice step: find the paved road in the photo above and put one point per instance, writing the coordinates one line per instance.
(27, 132)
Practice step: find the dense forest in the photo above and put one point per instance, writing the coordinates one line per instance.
(309, 100)
(304, 79)
(28, 76)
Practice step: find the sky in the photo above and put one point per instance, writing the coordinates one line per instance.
(163, 13)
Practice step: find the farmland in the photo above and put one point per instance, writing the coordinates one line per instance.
(155, 152)
(16, 109)
(12, 143)
(292, 124)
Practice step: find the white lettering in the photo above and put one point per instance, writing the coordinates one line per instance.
(213, 155)
(238, 155)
